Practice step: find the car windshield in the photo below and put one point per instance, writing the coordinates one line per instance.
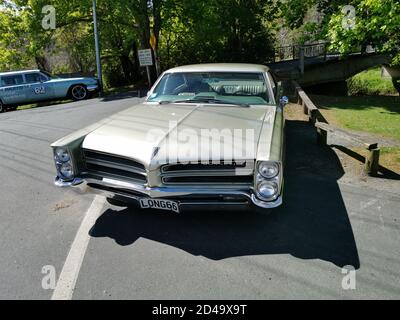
(212, 87)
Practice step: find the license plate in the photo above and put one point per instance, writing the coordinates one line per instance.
(162, 204)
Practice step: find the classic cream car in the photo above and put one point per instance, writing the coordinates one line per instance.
(207, 136)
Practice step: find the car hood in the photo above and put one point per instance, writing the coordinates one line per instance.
(150, 133)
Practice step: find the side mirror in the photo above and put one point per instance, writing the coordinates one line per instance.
(283, 101)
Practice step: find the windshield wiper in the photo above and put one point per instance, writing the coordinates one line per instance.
(206, 100)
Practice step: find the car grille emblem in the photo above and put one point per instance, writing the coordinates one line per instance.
(155, 151)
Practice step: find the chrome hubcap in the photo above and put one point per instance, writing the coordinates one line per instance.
(79, 92)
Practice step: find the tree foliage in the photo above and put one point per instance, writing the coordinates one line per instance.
(186, 31)
(377, 23)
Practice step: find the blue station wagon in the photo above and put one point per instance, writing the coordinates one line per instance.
(31, 86)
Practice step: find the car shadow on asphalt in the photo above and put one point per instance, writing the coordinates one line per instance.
(311, 224)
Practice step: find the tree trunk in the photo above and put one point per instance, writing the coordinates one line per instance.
(396, 84)
(127, 68)
(42, 63)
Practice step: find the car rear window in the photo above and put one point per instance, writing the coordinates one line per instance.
(11, 80)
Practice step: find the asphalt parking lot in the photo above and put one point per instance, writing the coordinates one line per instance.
(105, 252)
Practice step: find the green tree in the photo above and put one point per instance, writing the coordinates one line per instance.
(217, 31)
(377, 23)
(186, 32)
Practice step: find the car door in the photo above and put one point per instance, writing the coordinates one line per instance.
(39, 86)
(12, 90)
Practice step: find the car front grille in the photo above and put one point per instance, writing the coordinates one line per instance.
(102, 165)
(209, 173)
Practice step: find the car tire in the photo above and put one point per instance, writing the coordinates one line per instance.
(2, 107)
(79, 92)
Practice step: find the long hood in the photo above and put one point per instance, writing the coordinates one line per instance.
(156, 134)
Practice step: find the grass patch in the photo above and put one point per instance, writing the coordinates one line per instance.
(379, 115)
(389, 157)
(110, 91)
(369, 82)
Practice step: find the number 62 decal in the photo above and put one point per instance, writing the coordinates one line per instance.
(39, 90)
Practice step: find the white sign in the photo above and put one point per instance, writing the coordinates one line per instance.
(145, 57)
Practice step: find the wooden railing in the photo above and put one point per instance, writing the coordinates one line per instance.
(323, 128)
(298, 51)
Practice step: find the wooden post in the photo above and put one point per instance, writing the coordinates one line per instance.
(313, 116)
(304, 105)
(301, 60)
(372, 162)
(322, 137)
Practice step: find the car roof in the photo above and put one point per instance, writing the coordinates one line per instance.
(221, 67)
(10, 73)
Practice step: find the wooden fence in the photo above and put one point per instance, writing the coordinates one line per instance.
(323, 128)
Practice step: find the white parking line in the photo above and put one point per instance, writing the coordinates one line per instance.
(69, 274)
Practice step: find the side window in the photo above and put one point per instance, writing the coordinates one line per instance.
(173, 82)
(43, 77)
(170, 82)
(33, 77)
(11, 80)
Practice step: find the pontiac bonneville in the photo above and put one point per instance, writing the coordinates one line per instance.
(207, 136)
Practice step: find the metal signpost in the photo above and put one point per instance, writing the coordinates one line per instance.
(153, 44)
(96, 41)
(146, 60)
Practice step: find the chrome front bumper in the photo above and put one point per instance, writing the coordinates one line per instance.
(93, 88)
(188, 197)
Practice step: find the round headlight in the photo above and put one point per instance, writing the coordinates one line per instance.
(268, 169)
(267, 189)
(67, 171)
(62, 155)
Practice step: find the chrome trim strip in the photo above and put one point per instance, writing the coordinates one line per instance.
(160, 192)
(248, 184)
(202, 173)
(109, 164)
(115, 156)
(101, 175)
(63, 184)
(205, 172)
(249, 165)
(92, 87)
(267, 205)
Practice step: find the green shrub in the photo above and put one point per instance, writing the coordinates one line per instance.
(370, 82)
